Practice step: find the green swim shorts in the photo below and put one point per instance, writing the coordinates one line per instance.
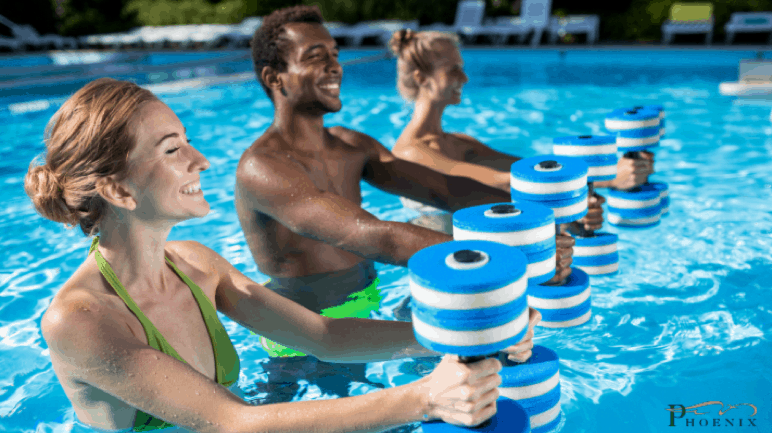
(358, 304)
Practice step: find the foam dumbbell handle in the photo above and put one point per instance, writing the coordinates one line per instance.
(581, 231)
(468, 256)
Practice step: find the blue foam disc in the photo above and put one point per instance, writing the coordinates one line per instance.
(600, 239)
(549, 176)
(429, 269)
(467, 297)
(469, 320)
(542, 366)
(549, 426)
(541, 403)
(624, 118)
(585, 145)
(634, 218)
(595, 261)
(510, 417)
(598, 265)
(638, 133)
(563, 306)
(528, 226)
(536, 377)
(565, 210)
(635, 213)
(652, 107)
(637, 198)
(541, 264)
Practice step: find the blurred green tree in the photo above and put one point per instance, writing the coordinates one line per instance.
(80, 17)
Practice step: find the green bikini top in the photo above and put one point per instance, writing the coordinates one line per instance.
(225, 357)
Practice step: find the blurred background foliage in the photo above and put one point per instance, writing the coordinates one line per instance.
(621, 20)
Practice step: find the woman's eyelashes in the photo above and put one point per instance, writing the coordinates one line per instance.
(174, 149)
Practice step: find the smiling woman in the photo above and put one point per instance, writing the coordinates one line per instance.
(134, 335)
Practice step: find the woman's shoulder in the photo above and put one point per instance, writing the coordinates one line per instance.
(83, 305)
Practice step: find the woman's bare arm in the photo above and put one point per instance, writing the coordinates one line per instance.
(93, 348)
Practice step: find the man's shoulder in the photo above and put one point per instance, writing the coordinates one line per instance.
(266, 153)
(352, 138)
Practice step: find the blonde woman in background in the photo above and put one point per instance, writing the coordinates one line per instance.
(430, 74)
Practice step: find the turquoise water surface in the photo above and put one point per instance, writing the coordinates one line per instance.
(684, 321)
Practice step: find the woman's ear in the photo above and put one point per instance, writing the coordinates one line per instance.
(116, 193)
(419, 78)
(271, 78)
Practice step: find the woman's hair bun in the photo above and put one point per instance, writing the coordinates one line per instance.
(47, 194)
(399, 40)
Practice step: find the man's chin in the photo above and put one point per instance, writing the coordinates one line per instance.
(333, 107)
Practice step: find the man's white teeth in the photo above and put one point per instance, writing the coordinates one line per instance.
(192, 189)
(330, 86)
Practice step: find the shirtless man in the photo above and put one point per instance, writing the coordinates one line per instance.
(298, 192)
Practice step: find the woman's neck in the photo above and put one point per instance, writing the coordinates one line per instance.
(135, 252)
(427, 117)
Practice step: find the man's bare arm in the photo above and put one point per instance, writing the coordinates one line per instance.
(397, 176)
(277, 186)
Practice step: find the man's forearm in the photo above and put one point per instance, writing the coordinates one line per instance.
(464, 192)
(365, 340)
(390, 242)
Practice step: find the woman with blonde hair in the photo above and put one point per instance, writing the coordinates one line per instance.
(133, 334)
(430, 74)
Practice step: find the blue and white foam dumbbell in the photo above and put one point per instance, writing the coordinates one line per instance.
(469, 300)
(567, 210)
(634, 218)
(635, 129)
(469, 297)
(535, 384)
(659, 109)
(527, 226)
(596, 255)
(563, 306)
(588, 147)
(598, 151)
(558, 182)
(547, 178)
(637, 208)
(663, 194)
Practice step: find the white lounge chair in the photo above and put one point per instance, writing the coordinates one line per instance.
(749, 22)
(381, 30)
(468, 21)
(26, 35)
(534, 16)
(689, 18)
(574, 24)
(241, 34)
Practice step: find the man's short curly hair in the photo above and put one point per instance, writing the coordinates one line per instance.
(267, 46)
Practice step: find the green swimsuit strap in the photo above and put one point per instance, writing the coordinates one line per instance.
(226, 359)
(154, 337)
(225, 356)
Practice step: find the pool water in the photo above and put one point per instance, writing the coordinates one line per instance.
(685, 321)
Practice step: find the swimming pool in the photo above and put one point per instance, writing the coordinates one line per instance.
(685, 321)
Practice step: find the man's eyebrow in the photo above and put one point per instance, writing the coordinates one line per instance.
(173, 134)
(313, 47)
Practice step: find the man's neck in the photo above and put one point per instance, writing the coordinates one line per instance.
(304, 131)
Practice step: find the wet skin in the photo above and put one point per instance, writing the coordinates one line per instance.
(298, 192)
